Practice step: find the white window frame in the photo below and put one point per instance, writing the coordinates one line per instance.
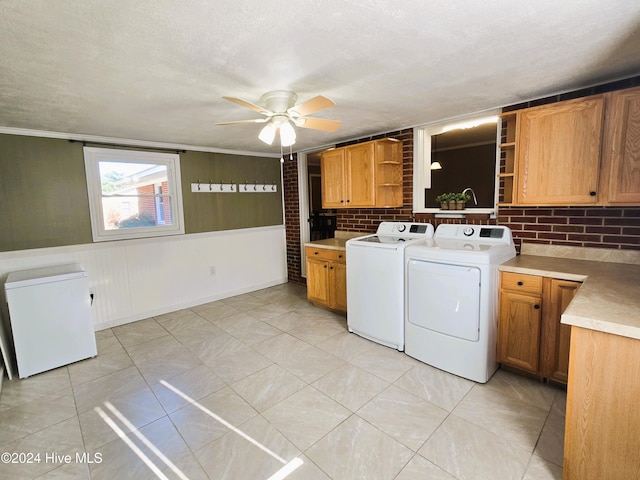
(422, 162)
(94, 155)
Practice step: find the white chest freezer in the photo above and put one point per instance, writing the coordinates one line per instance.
(50, 314)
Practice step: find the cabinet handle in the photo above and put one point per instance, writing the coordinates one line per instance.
(593, 194)
(341, 201)
(339, 256)
(324, 266)
(330, 268)
(537, 307)
(316, 253)
(520, 283)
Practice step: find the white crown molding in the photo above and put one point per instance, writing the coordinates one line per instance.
(126, 141)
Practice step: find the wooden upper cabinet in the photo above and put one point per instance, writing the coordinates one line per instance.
(559, 152)
(363, 175)
(360, 175)
(332, 165)
(622, 148)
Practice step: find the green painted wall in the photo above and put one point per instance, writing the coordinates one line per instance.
(43, 193)
(205, 212)
(44, 200)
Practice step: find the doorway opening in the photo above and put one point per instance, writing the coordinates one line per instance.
(322, 221)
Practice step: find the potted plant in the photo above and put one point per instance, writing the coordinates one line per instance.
(452, 201)
(460, 199)
(444, 200)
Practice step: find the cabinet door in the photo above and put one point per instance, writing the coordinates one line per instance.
(332, 167)
(622, 152)
(556, 336)
(360, 164)
(559, 152)
(317, 281)
(519, 330)
(338, 281)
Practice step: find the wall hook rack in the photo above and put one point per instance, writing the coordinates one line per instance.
(214, 187)
(258, 187)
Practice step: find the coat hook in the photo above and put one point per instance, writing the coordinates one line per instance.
(198, 184)
(210, 185)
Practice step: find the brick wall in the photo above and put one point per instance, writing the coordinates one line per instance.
(146, 205)
(600, 227)
(292, 219)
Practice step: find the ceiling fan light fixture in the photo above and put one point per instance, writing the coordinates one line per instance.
(287, 134)
(283, 116)
(268, 133)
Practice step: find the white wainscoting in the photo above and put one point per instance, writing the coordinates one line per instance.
(136, 279)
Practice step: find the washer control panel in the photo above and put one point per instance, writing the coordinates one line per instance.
(408, 229)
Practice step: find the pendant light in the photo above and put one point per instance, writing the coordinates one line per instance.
(435, 165)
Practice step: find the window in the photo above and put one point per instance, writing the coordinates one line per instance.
(465, 152)
(133, 194)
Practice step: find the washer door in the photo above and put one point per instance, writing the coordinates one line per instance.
(444, 298)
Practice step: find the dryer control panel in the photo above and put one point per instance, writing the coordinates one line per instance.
(484, 233)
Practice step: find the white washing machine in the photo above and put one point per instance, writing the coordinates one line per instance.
(375, 281)
(451, 313)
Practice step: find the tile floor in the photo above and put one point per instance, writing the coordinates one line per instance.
(240, 388)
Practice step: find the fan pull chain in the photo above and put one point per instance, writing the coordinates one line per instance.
(281, 155)
(290, 153)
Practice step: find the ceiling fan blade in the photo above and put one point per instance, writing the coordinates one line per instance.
(248, 105)
(254, 120)
(311, 106)
(319, 124)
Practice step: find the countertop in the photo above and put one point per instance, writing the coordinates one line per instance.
(339, 242)
(608, 300)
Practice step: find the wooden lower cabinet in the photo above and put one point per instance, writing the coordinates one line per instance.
(602, 427)
(327, 278)
(554, 357)
(519, 331)
(530, 335)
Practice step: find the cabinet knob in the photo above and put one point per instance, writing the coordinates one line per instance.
(520, 283)
(341, 201)
(330, 268)
(537, 307)
(324, 266)
(316, 253)
(339, 256)
(593, 194)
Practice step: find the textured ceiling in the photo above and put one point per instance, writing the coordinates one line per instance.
(156, 70)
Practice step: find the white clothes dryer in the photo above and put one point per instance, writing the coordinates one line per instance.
(451, 298)
(375, 281)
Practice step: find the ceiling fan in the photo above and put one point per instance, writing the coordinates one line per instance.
(281, 114)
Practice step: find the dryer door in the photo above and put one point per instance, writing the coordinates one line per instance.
(444, 298)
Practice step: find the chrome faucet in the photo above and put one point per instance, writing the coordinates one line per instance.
(475, 200)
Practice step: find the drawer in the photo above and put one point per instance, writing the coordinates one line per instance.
(520, 282)
(326, 254)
